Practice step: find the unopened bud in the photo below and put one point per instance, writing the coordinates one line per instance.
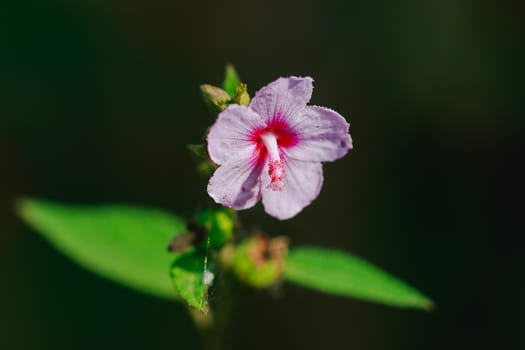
(258, 261)
(215, 97)
(241, 95)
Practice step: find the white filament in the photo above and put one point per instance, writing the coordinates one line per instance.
(270, 142)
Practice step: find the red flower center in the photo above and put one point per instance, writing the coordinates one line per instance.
(269, 141)
(286, 137)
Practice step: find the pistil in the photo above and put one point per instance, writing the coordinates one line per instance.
(275, 163)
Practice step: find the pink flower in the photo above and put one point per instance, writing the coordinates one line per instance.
(273, 149)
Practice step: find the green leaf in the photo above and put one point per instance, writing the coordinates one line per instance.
(340, 273)
(187, 274)
(231, 80)
(123, 243)
(205, 166)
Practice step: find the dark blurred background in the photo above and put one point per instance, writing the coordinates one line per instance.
(99, 98)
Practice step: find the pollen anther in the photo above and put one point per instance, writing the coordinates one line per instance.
(276, 172)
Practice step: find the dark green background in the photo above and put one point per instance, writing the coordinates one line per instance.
(99, 98)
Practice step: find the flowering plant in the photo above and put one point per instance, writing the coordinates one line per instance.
(268, 148)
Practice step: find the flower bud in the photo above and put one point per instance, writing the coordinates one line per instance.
(258, 261)
(241, 95)
(215, 97)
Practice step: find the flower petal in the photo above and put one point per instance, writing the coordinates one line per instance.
(282, 98)
(230, 134)
(237, 183)
(301, 185)
(322, 135)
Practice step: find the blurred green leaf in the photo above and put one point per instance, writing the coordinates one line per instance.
(231, 80)
(123, 243)
(206, 168)
(340, 273)
(199, 150)
(187, 275)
